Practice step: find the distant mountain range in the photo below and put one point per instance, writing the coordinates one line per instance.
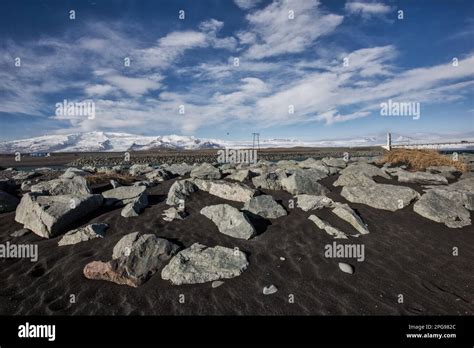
(118, 142)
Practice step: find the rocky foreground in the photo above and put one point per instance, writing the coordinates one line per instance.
(188, 225)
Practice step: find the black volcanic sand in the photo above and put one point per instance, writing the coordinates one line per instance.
(404, 254)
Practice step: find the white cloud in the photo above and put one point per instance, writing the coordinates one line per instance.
(272, 32)
(246, 4)
(132, 85)
(367, 9)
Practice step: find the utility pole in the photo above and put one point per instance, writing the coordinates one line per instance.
(256, 140)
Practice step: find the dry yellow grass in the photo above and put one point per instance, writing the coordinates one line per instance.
(421, 159)
(101, 178)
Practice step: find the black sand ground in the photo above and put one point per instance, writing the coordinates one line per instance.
(405, 254)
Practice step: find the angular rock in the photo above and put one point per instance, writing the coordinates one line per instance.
(216, 283)
(134, 208)
(437, 207)
(380, 196)
(269, 181)
(334, 162)
(359, 174)
(232, 191)
(20, 233)
(157, 175)
(179, 191)
(139, 257)
(173, 214)
(74, 185)
(25, 175)
(323, 225)
(265, 206)
(123, 195)
(179, 169)
(312, 202)
(346, 213)
(314, 164)
(71, 172)
(447, 171)
(7, 202)
(229, 221)
(140, 169)
(422, 178)
(48, 216)
(305, 182)
(201, 264)
(239, 175)
(115, 183)
(205, 171)
(83, 234)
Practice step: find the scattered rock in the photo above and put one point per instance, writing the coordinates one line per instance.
(347, 214)
(71, 172)
(265, 206)
(173, 214)
(115, 183)
(157, 175)
(123, 195)
(48, 216)
(422, 178)
(229, 221)
(447, 171)
(200, 264)
(315, 164)
(359, 174)
(312, 202)
(74, 185)
(140, 169)
(83, 234)
(216, 283)
(437, 207)
(239, 175)
(332, 231)
(179, 169)
(334, 162)
(134, 208)
(25, 175)
(205, 171)
(304, 182)
(179, 191)
(269, 290)
(232, 191)
(346, 268)
(269, 181)
(380, 196)
(136, 258)
(7, 202)
(20, 233)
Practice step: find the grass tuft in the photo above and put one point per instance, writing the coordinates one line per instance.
(421, 159)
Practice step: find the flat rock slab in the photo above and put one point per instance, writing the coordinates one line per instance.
(434, 205)
(173, 214)
(422, 178)
(265, 206)
(380, 196)
(179, 169)
(74, 185)
(201, 264)
(347, 214)
(313, 202)
(304, 181)
(48, 216)
(229, 221)
(135, 259)
(123, 194)
(323, 225)
(232, 191)
(83, 234)
(269, 180)
(205, 171)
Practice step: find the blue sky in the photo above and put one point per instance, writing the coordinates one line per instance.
(282, 61)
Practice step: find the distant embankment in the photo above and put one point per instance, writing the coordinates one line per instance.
(173, 156)
(466, 145)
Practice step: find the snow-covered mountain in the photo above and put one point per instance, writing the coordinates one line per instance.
(104, 141)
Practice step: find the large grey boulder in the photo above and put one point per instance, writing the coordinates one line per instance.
(74, 185)
(48, 216)
(83, 234)
(135, 207)
(201, 264)
(447, 171)
(265, 206)
(334, 162)
(205, 171)
(7, 202)
(25, 175)
(422, 178)
(179, 191)
(232, 191)
(270, 180)
(436, 206)
(157, 175)
(123, 195)
(313, 202)
(331, 230)
(140, 169)
(229, 221)
(314, 164)
(179, 169)
(359, 174)
(135, 259)
(239, 175)
(304, 182)
(380, 196)
(348, 214)
(71, 172)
